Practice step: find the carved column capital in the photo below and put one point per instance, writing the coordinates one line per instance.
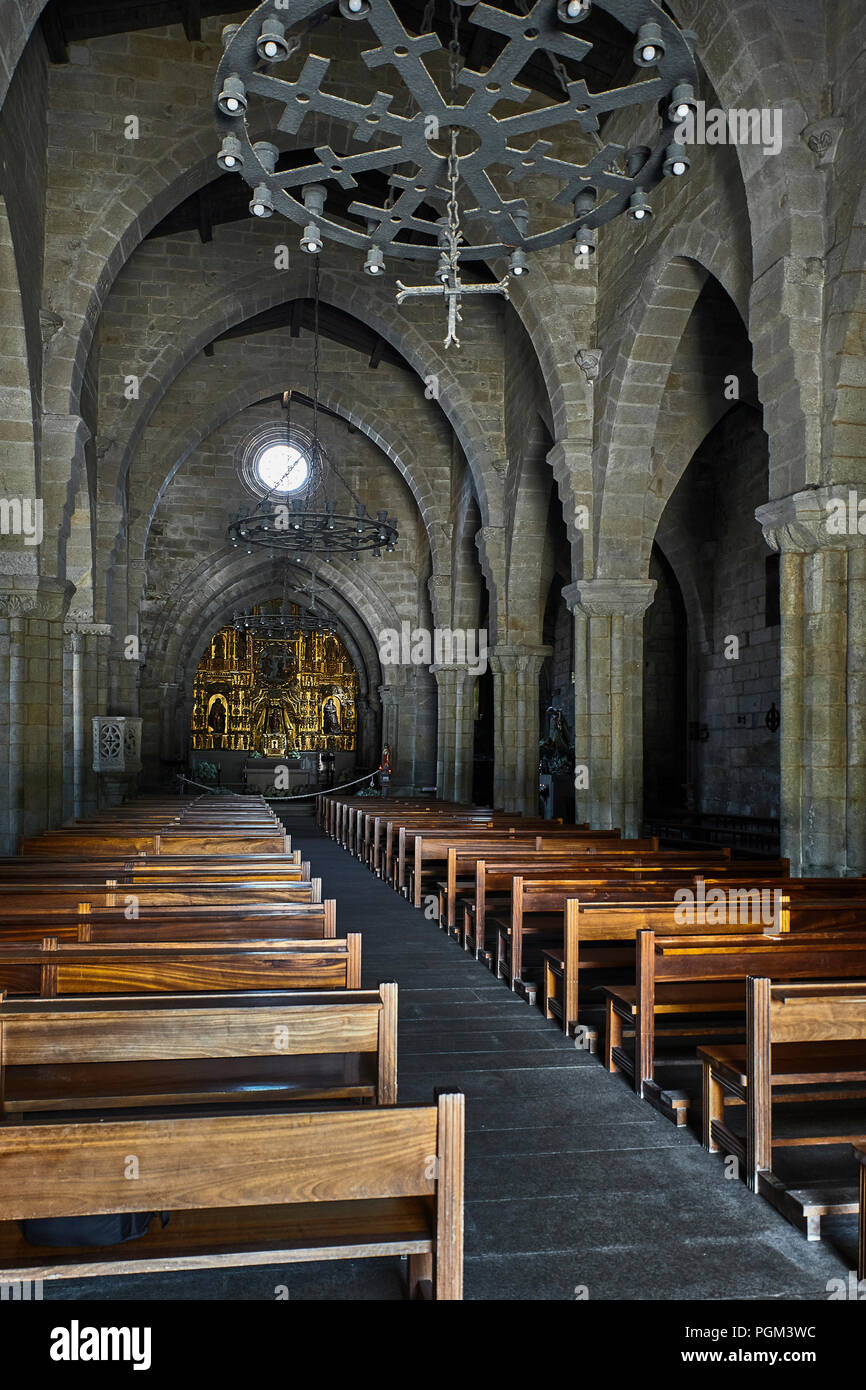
(608, 598)
(821, 518)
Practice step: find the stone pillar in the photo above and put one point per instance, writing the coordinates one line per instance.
(608, 699)
(516, 726)
(72, 724)
(455, 731)
(32, 614)
(390, 695)
(823, 717)
(85, 677)
(369, 744)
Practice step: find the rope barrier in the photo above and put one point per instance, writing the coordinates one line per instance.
(329, 791)
(299, 796)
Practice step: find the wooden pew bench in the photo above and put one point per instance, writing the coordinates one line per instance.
(807, 1039)
(619, 916)
(60, 968)
(122, 1052)
(692, 981)
(667, 869)
(537, 902)
(557, 847)
(296, 921)
(14, 898)
(271, 1189)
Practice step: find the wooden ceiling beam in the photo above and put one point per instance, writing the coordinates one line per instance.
(54, 34)
(191, 20)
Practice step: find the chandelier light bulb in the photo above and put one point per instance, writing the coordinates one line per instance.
(676, 161)
(570, 11)
(272, 43)
(354, 9)
(262, 204)
(638, 207)
(232, 100)
(375, 262)
(649, 48)
(230, 156)
(584, 241)
(682, 102)
(311, 241)
(517, 263)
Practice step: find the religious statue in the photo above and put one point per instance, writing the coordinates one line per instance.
(385, 770)
(556, 752)
(216, 721)
(330, 717)
(273, 718)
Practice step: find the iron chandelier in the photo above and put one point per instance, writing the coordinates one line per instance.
(286, 623)
(451, 127)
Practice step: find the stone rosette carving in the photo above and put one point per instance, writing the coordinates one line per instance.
(822, 138)
(589, 361)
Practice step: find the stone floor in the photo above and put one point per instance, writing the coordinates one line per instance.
(575, 1188)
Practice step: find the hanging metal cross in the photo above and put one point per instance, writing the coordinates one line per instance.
(452, 290)
(451, 286)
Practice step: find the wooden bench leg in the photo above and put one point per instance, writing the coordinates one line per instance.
(421, 1276)
(861, 1263)
(612, 1036)
(501, 955)
(547, 991)
(714, 1106)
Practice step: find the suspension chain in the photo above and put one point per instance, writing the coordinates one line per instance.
(455, 67)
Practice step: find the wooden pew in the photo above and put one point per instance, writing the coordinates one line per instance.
(616, 917)
(695, 976)
(247, 1190)
(57, 968)
(808, 1036)
(14, 898)
(170, 1050)
(294, 921)
(558, 845)
(262, 868)
(538, 899)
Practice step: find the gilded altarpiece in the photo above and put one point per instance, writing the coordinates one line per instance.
(275, 695)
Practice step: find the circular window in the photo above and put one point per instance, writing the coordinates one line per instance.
(281, 468)
(275, 465)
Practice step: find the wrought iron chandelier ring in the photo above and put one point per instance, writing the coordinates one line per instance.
(269, 36)
(289, 526)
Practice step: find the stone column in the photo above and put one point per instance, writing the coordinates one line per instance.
(390, 694)
(823, 717)
(455, 731)
(608, 699)
(85, 676)
(72, 723)
(516, 726)
(33, 666)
